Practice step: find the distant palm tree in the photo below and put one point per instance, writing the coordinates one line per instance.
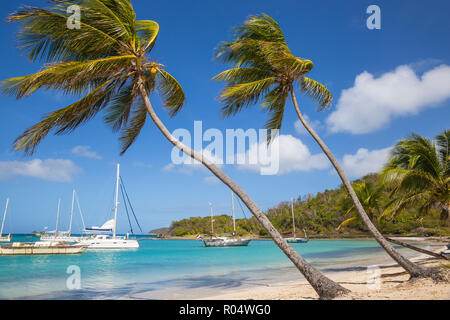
(419, 170)
(107, 61)
(265, 69)
(370, 196)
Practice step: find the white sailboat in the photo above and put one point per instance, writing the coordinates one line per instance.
(294, 238)
(65, 236)
(103, 241)
(6, 238)
(216, 241)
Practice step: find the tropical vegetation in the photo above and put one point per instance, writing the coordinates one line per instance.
(107, 63)
(264, 69)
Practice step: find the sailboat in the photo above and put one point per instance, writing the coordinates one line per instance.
(63, 235)
(294, 238)
(215, 241)
(2, 237)
(104, 241)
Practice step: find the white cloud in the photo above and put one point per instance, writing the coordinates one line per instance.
(211, 180)
(60, 170)
(364, 161)
(141, 164)
(315, 124)
(190, 165)
(85, 152)
(294, 155)
(373, 102)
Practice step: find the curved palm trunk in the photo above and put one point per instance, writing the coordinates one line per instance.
(326, 288)
(413, 269)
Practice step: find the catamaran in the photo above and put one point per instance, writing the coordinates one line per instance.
(217, 241)
(104, 241)
(294, 238)
(6, 238)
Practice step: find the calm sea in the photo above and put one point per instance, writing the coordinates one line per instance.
(173, 269)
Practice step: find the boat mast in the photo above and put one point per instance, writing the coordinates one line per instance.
(71, 212)
(232, 206)
(292, 209)
(212, 219)
(4, 216)
(116, 201)
(57, 216)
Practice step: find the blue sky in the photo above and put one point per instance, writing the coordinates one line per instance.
(402, 79)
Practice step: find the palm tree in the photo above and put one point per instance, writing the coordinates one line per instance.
(265, 69)
(370, 196)
(419, 170)
(107, 62)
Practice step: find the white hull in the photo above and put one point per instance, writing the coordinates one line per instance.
(5, 238)
(226, 242)
(296, 240)
(44, 248)
(108, 243)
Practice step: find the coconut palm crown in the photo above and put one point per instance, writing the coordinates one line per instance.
(102, 62)
(419, 170)
(264, 70)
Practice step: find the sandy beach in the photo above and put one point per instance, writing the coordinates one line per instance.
(388, 282)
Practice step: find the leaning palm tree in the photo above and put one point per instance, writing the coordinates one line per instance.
(107, 62)
(264, 69)
(419, 170)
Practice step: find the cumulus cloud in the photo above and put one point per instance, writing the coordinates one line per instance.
(364, 161)
(373, 102)
(85, 152)
(315, 124)
(293, 155)
(60, 170)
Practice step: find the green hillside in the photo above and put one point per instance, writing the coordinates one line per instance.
(320, 215)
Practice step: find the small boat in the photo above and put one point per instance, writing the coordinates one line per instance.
(102, 241)
(217, 241)
(6, 238)
(40, 248)
(225, 242)
(294, 238)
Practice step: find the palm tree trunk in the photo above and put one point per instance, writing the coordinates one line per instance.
(413, 269)
(325, 288)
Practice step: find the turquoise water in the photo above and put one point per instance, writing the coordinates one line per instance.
(162, 268)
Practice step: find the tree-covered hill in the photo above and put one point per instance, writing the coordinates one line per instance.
(320, 215)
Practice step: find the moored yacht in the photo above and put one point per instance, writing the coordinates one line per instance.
(6, 238)
(103, 241)
(220, 241)
(294, 238)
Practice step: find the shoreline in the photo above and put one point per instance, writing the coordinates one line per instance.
(391, 283)
(436, 239)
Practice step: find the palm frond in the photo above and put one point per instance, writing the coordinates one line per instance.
(148, 32)
(242, 95)
(443, 149)
(274, 103)
(118, 111)
(242, 75)
(66, 119)
(317, 91)
(44, 34)
(72, 76)
(171, 92)
(134, 126)
(347, 222)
